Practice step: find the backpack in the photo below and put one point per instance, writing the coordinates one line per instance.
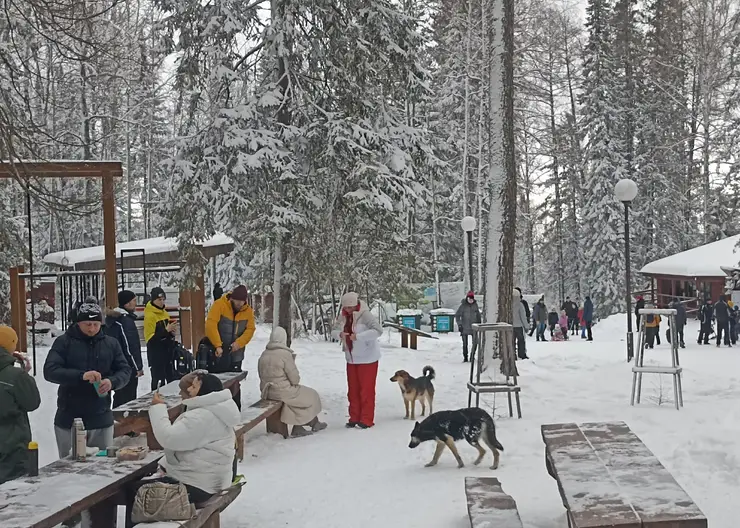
(206, 354)
(649, 318)
(184, 361)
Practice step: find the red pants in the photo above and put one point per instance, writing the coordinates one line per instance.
(361, 392)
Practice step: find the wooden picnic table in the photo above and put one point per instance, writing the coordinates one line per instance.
(409, 334)
(134, 415)
(608, 477)
(66, 488)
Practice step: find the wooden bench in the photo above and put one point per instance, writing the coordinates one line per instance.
(267, 411)
(66, 488)
(133, 417)
(607, 477)
(208, 514)
(488, 505)
(408, 334)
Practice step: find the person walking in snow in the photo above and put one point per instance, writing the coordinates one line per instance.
(520, 322)
(722, 315)
(525, 303)
(563, 323)
(639, 305)
(466, 316)
(706, 316)
(359, 331)
(680, 320)
(539, 314)
(120, 324)
(652, 328)
(588, 316)
(19, 396)
(552, 320)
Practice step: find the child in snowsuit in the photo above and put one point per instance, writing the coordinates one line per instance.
(552, 321)
(559, 334)
(564, 323)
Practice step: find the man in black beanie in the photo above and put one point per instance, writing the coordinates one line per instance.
(120, 324)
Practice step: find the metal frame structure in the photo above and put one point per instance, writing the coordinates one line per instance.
(505, 340)
(674, 370)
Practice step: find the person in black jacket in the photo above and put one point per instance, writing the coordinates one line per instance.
(639, 305)
(680, 320)
(526, 307)
(120, 324)
(159, 333)
(87, 365)
(706, 316)
(571, 312)
(722, 314)
(218, 291)
(552, 320)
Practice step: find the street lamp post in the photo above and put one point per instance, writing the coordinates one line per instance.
(626, 191)
(468, 225)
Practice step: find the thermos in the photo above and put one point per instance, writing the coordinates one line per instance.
(33, 459)
(79, 440)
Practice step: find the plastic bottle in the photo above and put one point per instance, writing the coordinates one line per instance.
(33, 459)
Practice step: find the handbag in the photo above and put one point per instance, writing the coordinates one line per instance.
(162, 501)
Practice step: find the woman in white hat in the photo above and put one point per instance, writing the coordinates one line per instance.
(358, 332)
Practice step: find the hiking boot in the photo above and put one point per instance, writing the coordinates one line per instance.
(361, 425)
(319, 426)
(350, 425)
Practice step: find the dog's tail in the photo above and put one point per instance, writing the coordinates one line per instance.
(491, 434)
(428, 372)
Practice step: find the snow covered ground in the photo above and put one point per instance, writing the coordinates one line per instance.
(366, 479)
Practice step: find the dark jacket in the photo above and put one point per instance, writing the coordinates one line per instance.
(553, 318)
(680, 314)
(722, 312)
(639, 305)
(571, 309)
(588, 310)
(160, 346)
(120, 324)
(467, 315)
(18, 396)
(706, 314)
(526, 310)
(540, 313)
(73, 354)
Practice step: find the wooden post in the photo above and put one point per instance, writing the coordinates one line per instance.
(109, 239)
(414, 340)
(404, 339)
(185, 321)
(198, 311)
(15, 304)
(21, 309)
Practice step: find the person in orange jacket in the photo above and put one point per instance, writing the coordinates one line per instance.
(229, 327)
(652, 328)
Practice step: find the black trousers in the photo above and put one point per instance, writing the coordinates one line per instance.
(723, 328)
(590, 337)
(706, 329)
(127, 393)
(163, 372)
(521, 343)
(196, 495)
(465, 343)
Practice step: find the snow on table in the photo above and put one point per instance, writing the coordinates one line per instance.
(65, 488)
(608, 477)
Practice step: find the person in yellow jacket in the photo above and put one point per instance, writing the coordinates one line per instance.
(229, 327)
(652, 328)
(159, 334)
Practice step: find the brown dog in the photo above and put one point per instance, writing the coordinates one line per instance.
(414, 389)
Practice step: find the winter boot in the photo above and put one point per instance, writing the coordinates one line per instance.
(319, 426)
(363, 426)
(465, 358)
(298, 431)
(350, 425)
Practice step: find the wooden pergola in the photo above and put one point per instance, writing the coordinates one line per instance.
(106, 171)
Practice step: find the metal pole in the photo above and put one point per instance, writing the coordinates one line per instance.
(30, 280)
(470, 259)
(630, 341)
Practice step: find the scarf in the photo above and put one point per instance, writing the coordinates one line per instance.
(349, 320)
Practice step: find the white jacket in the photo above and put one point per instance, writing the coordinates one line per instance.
(366, 349)
(199, 446)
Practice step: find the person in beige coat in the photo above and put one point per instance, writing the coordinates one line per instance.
(280, 381)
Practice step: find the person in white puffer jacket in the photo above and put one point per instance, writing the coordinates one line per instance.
(358, 330)
(199, 446)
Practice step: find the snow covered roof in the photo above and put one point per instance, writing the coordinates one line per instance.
(157, 250)
(702, 261)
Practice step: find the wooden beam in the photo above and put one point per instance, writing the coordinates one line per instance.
(109, 238)
(198, 311)
(61, 169)
(186, 331)
(15, 296)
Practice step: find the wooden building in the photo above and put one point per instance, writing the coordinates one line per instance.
(693, 275)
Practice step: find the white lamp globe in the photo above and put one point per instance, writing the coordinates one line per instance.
(625, 190)
(468, 224)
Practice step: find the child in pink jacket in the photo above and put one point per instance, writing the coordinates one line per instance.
(563, 322)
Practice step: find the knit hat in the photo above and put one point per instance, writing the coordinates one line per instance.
(125, 297)
(279, 336)
(470, 295)
(8, 338)
(350, 300)
(240, 293)
(157, 293)
(89, 312)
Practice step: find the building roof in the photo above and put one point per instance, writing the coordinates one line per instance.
(159, 251)
(703, 261)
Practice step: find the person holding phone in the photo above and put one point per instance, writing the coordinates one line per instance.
(87, 365)
(159, 334)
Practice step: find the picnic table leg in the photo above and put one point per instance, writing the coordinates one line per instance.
(404, 339)
(102, 515)
(414, 341)
(511, 410)
(151, 440)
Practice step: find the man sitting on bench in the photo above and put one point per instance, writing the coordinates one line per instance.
(199, 444)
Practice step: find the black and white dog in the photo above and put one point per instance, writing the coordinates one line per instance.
(446, 427)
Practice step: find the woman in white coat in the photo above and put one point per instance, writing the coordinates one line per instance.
(279, 380)
(358, 331)
(199, 446)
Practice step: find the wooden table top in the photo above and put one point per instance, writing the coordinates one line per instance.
(65, 488)
(608, 477)
(171, 394)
